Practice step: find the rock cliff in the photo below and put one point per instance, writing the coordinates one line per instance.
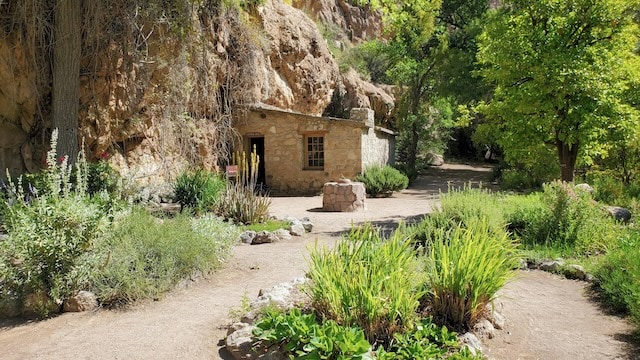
(154, 99)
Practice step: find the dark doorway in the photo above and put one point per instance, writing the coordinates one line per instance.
(258, 144)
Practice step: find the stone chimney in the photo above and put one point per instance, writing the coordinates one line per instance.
(363, 115)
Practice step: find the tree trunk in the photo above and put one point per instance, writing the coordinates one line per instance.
(567, 155)
(66, 75)
(413, 146)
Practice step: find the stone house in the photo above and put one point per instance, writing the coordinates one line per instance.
(299, 153)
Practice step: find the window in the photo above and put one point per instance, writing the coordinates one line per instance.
(314, 152)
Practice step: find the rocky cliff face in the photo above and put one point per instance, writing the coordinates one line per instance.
(154, 100)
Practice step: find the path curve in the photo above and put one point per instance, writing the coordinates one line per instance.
(189, 323)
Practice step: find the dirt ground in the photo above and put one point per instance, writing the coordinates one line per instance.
(547, 317)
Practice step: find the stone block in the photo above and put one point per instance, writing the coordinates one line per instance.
(343, 197)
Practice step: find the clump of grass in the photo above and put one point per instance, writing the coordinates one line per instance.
(465, 268)
(146, 256)
(367, 282)
(199, 190)
(269, 225)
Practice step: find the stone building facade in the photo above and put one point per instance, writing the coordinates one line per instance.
(299, 153)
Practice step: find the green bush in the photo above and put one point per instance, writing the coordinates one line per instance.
(145, 256)
(383, 181)
(101, 177)
(51, 233)
(199, 190)
(367, 282)
(619, 276)
(465, 268)
(469, 206)
(301, 336)
(569, 219)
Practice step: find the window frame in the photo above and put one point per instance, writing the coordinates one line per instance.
(308, 144)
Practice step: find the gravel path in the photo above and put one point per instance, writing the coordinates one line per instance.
(548, 318)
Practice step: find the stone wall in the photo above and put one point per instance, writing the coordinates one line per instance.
(377, 144)
(284, 134)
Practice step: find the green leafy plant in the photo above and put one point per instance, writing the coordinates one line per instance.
(199, 190)
(269, 225)
(303, 337)
(465, 269)
(367, 282)
(427, 341)
(383, 181)
(50, 234)
(145, 256)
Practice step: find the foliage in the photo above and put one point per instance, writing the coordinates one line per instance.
(568, 219)
(367, 282)
(382, 181)
(428, 341)
(301, 336)
(199, 190)
(619, 276)
(49, 235)
(145, 256)
(102, 178)
(242, 201)
(469, 206)
(561, 69)
(465, 268)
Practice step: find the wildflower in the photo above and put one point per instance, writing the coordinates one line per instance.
(104, 155)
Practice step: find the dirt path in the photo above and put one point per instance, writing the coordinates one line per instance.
(189, 323)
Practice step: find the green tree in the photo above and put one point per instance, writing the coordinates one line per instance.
(561, 70)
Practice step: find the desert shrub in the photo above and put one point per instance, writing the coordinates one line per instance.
(50, 234)
(145, 256)
(102, 178)
(427, 341)
(367, 282)
(302, 336)
(244, 205)
(465, 268)
(382, 181)
(570, 219)
(198, 190)
(619, 275)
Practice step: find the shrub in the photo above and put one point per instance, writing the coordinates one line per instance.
(146, 256)
(465, 268)
(243, 205)
(469, 206)
(570, 219)
(199, 190)
(301, 336)
(383, 181)
(101, 177)
(619, 275)
(367, 282)
(50, 235)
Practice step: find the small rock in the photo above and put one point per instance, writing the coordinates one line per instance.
(484, 329)
(497, 319)
(590, 278)
(619, 213)
(247, 237)
(82, 301)
(264, 237)
(296, 229)
(307, 224)
(470, 341)
(551, 266)
(524, 265)
(585, 188)
(576, 272)
(282, 235)
(240, 343)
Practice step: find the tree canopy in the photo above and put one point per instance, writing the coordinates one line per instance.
(561, 70)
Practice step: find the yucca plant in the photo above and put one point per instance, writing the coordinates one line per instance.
(367, 282)
(465, 269)
(242, 202)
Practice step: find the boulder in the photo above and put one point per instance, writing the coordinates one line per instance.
(619, 213)
(264, 237)
(282, 235)
(434, 159)
(247, 237)
(296, 229)
(82, 301)
(552, 266)
(575, 272)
